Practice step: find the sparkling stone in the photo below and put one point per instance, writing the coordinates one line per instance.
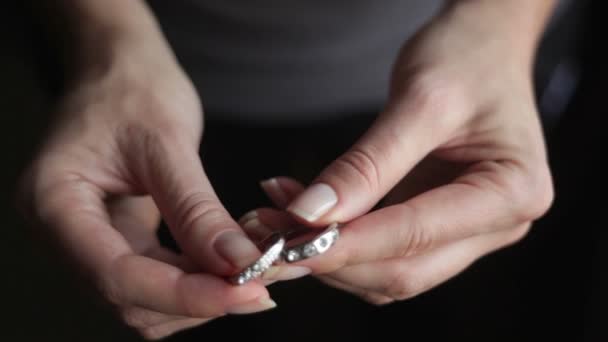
(293, 255)
(310, 250)
(323, 242)
(257, 267)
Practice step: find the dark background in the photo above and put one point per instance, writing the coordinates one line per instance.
(551, 285)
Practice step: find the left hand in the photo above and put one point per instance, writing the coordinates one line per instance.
(458, 154)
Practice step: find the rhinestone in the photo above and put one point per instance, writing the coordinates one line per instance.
(293, 255)
(263, 263)
(323, 242)
(310, 250)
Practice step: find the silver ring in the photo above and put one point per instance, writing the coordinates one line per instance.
(275, 243)
(318, 245)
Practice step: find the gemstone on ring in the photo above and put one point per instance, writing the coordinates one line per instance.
(317, 245)
(275, 243)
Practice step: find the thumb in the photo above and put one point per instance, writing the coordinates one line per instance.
(352, 184)
(172, 172)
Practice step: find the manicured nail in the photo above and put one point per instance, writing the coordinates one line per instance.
(274, 191)
(256, 228)
(256, 305)
(248, 216)
(314, 202)
(236, 248)
(284, 273)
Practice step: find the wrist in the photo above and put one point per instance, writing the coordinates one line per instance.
(515, 24)
(101, 36)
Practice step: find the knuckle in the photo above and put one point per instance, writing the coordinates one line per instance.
(426, 89)
(532, 194)
(414, 238)
(403, 285)
(110, 292)
(152, 333)
(362, 163)
(518, 234)
(376, 298)
(431, 94)
(150, 144)
(197, 207)
(132, 318)
(544, 194)
(163, 115)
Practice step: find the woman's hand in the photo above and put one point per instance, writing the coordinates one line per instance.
(458, 156)
(123, 148)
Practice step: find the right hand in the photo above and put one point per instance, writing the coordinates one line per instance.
(123, 150)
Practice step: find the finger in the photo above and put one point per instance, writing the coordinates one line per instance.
(160, 287)
(139, 318)
(401, 136)
(171, 169)
(369, 296)
(133, 211)
(137, 219)
(282, 190)
(163, 330)
(489, 197)
(260, 223)
(75, 210)
(169, 257)
(407, 277)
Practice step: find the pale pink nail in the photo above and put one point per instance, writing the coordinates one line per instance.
(236, 248)
(257, 305)
(256, 228)
(273, 189)
(314, 202)
(248, 216)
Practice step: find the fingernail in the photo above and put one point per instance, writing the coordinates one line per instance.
(256, 305)
(273, 189)
(284, 273)
(236, 248)
(256, 228)
(314, 202)
(248, 216)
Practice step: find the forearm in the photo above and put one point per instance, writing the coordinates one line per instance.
(93, 34)
(516, 23)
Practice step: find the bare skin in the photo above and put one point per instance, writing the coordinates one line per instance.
(123, 151)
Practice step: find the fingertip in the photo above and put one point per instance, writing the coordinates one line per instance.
(270, 218)
(314, 202)
(273, 190)
(290, 186)
(254, 306)
(248, 216)
(256, 229)
(236, 248)
(282, 190)
(206, 295)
